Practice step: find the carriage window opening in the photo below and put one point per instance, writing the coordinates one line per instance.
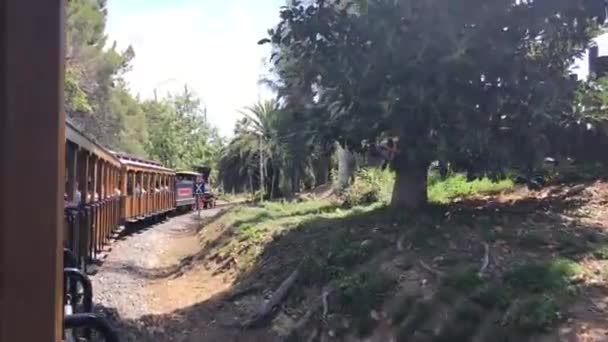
(130, 183)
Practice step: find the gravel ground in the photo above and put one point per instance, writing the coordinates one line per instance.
(123, 285)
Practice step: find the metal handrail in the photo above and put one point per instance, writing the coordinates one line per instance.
(74, 276)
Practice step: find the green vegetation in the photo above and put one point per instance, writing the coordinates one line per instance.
(601, 252)
(457, 186)
(374, 185)
(371, 185)
(354, 250)
(451, 82)
(173, 130)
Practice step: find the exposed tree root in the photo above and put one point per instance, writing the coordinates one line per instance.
(267, 308)
(485, 261)
(431, 270)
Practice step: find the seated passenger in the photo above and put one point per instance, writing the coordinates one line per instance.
(77, 197)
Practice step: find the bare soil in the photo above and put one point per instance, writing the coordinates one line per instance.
(151, 288)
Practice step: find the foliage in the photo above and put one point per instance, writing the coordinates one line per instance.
(255, 133)
(180, 136)
(470, 82)
(173, 131)
(458, 186)
(371, 185)
(290, 159)
(376, 185)
(95, 91)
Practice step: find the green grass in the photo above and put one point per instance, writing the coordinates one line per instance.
(540, 290)
(251, 227)
(375, 185)
(443, 191)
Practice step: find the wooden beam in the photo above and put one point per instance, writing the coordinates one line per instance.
(32, 157)
(83, 175)
(72, 165)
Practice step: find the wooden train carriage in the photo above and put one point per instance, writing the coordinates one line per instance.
(149, 188)
(92, 196)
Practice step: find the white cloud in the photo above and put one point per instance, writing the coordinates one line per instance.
(213, 50)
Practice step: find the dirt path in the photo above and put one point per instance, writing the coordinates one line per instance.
(146, 288)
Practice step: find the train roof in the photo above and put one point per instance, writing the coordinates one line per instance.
(134, 165)
(118, 159)
(189, 173)
(78, 138)
(126, 156)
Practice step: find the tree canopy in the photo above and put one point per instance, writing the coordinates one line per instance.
(173, 130)
(475, 83)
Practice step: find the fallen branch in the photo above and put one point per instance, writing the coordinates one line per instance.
(225, 265)
(327, 290)
(575, 190)
(485, 261)
(400, 244)
(277, 297)
(431, 270)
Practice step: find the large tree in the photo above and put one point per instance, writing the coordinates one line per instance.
(180, 135)
(97, 98)
(475, 83)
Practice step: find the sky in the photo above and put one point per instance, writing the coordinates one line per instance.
(210, 45)
(581, 67)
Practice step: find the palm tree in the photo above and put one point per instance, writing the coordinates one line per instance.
(254, 148)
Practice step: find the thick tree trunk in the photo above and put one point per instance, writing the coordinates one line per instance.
(346, 167)
(321, 170)
(410, 190)
(295, 179)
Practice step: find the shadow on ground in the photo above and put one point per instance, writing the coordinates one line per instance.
(431, 246)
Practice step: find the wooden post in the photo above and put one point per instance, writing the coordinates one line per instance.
(32, 157)
(149, 193)
(94, 169)
(72, 164)
(95, 190)
(124, 175)
(141, 196)
(164, 192)
(83, 175)
(155, 185)
(84, 229)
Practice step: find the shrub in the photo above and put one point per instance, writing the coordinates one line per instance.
(371, 185)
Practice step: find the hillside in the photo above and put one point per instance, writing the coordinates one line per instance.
(528, 266)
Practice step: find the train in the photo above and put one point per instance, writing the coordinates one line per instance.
(106, 190)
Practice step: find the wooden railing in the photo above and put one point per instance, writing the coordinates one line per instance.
(148, 204)
(90, 226)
